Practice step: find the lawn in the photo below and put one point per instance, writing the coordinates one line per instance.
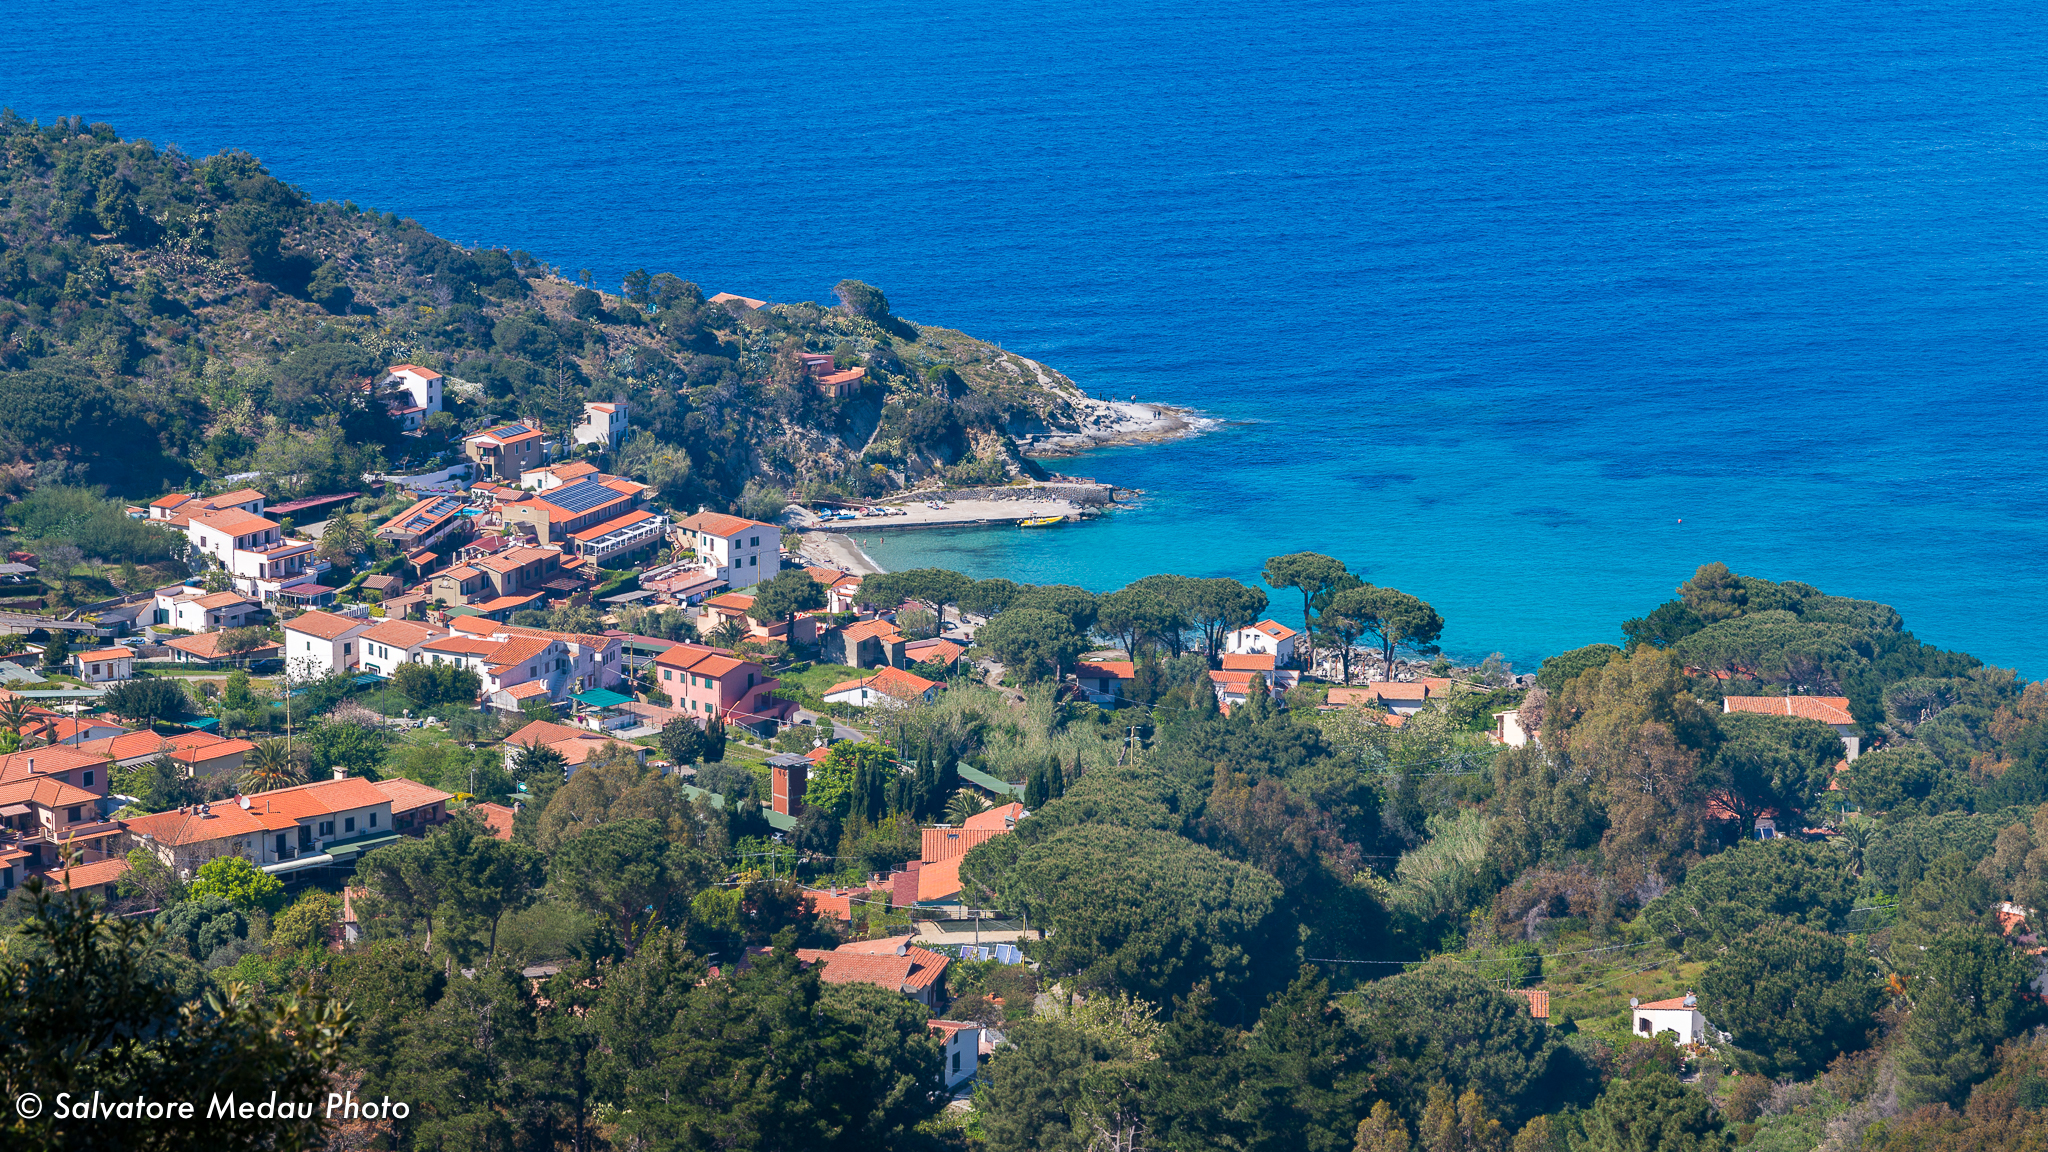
(813, 681)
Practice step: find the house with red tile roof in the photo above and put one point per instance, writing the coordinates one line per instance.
(430, 521)
(1832, 711)
(422, 387)
(1402, 698)
(1269, 636)
(197, 610)
(893, 964)
(201, 753)
(602, 426)
(1234, 688)
(415, 807)
(1680, 1014)
(324, 641)
(739, 551)
(497, 817)
(576, 745)
(938, 651)
(705, 682)
(1104, 681)
(104, 665)
(864, 644)
(960, 1058)
(625, 535)
(1537, 1000)
(556, 475)
(390, 644)
(205, 648)
(77, 729)
(888, 687)
(254, 551)
(553, 515)
(945, 841)
(307, 825)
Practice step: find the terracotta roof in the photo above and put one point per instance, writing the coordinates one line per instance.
(206, 646)
(45, 791)
(545, 732)
(498, 817)
(502, 603)
(892, 681)
(1000, 816)
(234, 521)
(513, 558)
(51, 760)
(1275, 629)
(1826, 709)
(911, 972)
(427, 373)
(568, 470)
(940, 879)
(717, 524)
(325, 625)
(610, 526)
(107, 654)
(527, 690)
(407, 795)
(462, 645)
(870, 630)
(826, 576)
(1674, 1004)
(459, 572)
(948, 1028)
(1388, 691)
(401, 633)
(946, 843)
(479, 626)
(724, 297)
(267, 811)
(1118, 669)
(944, 651)
(88, 875)
(686, 657)
(1249, 662)
(238, 496)
(221, 600)
(505, 434)
(171, 501)
(1537, 999)
(836, 903)
(517, 651)
(732, 601)
(65, 727)
(846, 377)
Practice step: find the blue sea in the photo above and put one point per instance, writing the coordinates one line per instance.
(1526, 308)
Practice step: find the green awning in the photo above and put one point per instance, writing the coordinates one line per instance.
(355, 848)
(989, 783)
(601, 698)
(461, 610)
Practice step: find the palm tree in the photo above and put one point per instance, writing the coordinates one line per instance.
(271, 765)
(1853, 839)
(15, 713)
(730, 633)
(965, 803)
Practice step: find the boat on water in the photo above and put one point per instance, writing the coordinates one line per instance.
(1041, 521)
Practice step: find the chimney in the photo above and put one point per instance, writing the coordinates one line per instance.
(31, 763)
(340, 773)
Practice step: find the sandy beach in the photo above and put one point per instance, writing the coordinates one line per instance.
(836, 550)
(837, 543)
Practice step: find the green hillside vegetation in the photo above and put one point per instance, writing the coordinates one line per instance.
(166, 319)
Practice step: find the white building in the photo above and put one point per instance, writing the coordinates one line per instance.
(603, 425)
(962, 1057)
(197, 610)
(390, 643)
(1285, 644)
(1832, 711)
(423, 384)
(323, 641)
(105, 665)
(1680, 1014)
(1507, 728)
(739, 551)
(255, 551)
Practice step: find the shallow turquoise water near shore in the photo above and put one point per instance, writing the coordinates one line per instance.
(1491, 295)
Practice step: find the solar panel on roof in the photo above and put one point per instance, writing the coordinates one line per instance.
(581, 496)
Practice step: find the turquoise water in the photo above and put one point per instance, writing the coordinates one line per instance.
(1490, 295)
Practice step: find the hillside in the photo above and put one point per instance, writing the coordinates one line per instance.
(166, 320)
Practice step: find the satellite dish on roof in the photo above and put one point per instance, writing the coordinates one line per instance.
(1634, 1003)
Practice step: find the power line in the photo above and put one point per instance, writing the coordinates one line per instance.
(1496, 960)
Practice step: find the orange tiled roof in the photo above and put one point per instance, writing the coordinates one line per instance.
(1248, 662)
(515, 652)
(88, 875)
(234, 521)
(1115, 669)
(45, 791)
(325, 625)
(893, 681)
(546, 732)
(407, 795)
(718, 524)
(238, 496)
(870, 630)
(527, 690)
(107, 654)
(221, 600)
(1673, 1004)
(940, 879)
(206, 646)
(401, 633)
(267, 811)
(424, 373)
(946, 843)
(1275, 629)
(1000, 816)
(1537, 999)
(54, 759)
(1826, 709)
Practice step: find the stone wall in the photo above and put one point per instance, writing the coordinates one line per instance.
(1088, 494)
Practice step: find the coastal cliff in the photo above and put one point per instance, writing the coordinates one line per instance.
(166, 320)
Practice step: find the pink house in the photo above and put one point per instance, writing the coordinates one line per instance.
(705, 682)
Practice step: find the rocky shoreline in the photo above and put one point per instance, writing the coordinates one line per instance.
(1112, 423)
